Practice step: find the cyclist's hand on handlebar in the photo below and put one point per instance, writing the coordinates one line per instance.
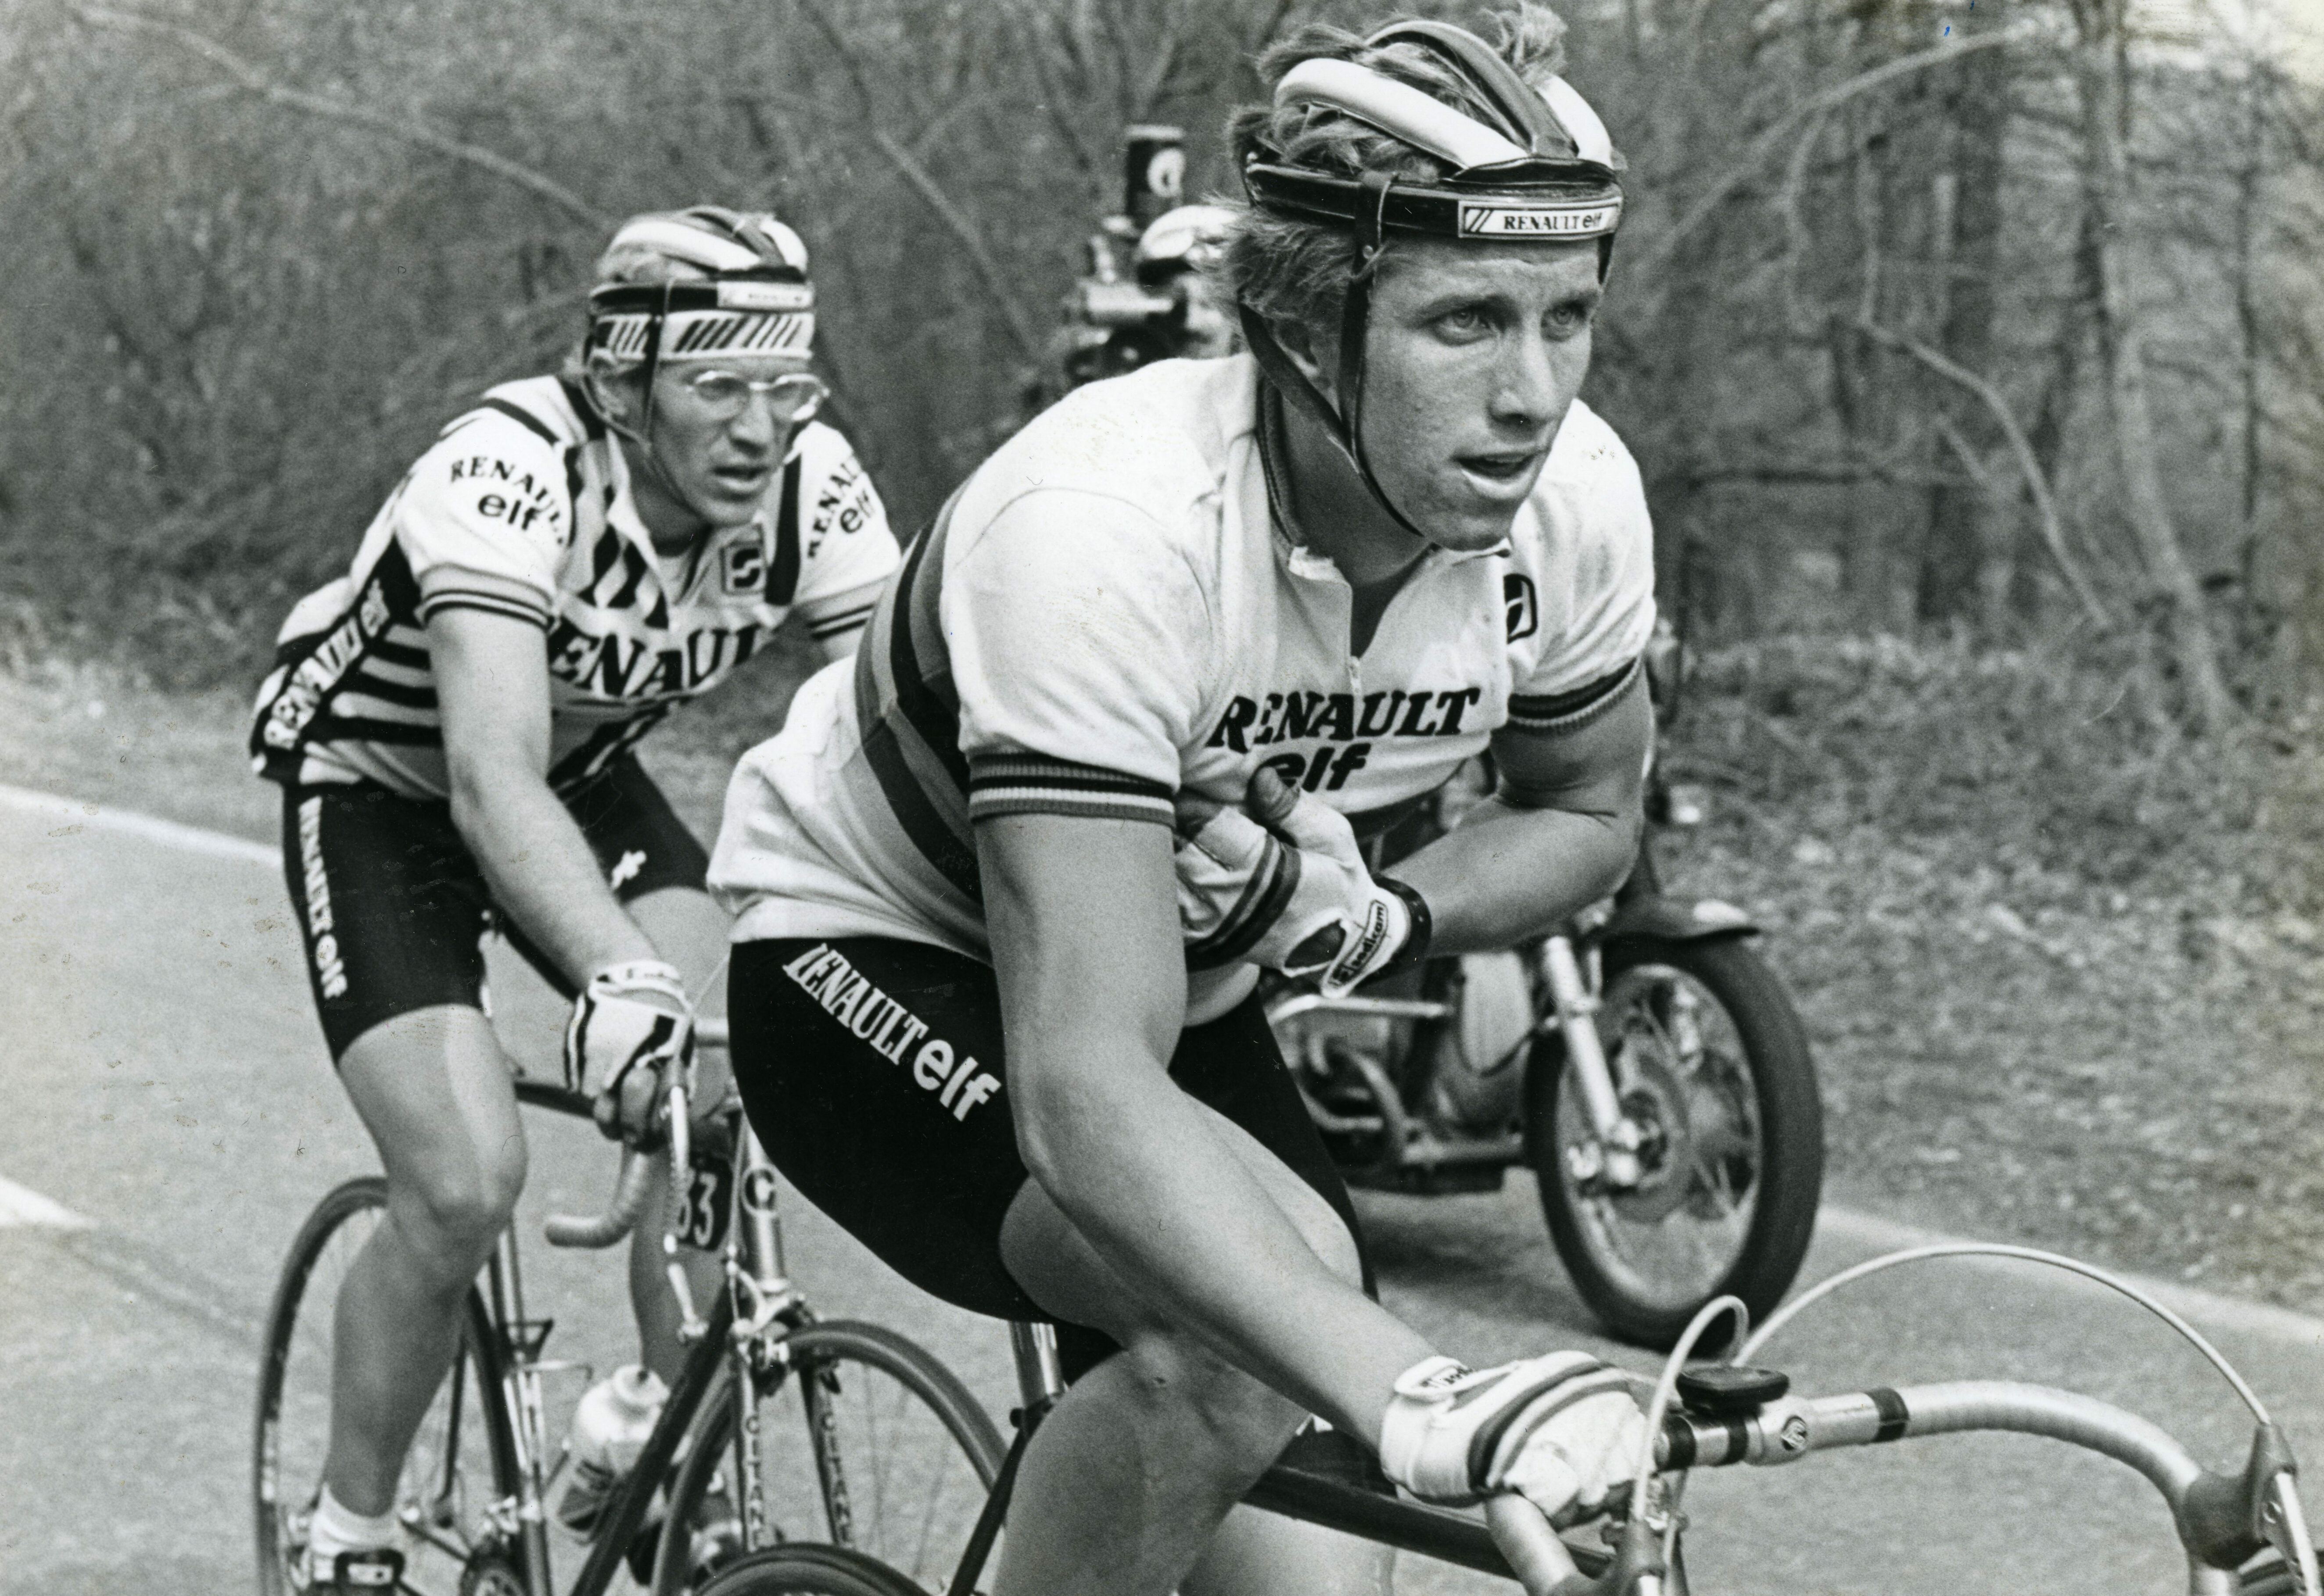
(1281, 882)
(632, 1025)
(1560, 1430)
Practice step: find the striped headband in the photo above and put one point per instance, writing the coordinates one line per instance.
(704, 320)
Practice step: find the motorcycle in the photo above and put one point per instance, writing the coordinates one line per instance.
(1642, 1060)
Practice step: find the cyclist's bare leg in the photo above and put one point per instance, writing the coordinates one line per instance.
(1128, 1479)
(689, 930)
(432, 1088)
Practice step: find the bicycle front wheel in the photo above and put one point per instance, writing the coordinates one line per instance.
(1711, 1062)
(809, 1571)
(457, 1495)
(865, 1441)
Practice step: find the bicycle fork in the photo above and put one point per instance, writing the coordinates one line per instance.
(1609, 1156)
(523, 1522)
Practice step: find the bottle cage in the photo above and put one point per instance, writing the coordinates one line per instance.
(1543, 168)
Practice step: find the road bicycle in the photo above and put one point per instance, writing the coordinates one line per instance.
(781, 1427)
(2244, 1530)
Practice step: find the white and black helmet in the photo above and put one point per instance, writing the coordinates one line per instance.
(698, 284)
(1538, 164)
(695, 284)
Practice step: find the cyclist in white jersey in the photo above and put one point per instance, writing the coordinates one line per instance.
(452, 724)
(1005, 881)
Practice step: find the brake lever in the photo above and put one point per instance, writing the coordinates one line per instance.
(691, 1325)
(2285, 1525)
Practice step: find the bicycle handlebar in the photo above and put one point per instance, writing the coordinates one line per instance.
(2222, 1520)
(631, 1188)
(1541, 1561)
(632, 1185)
(1790, 1428)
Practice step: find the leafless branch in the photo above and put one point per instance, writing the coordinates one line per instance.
(1768, 142)
(1795, 235)
(2044, 509)
(955, 221)
(1053, 97)
(251, 80)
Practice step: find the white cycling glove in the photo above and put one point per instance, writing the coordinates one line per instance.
(1283, 886)
(1560, 1430)
(632, 1022)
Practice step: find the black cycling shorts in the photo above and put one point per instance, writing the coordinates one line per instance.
(873, 1071)
(396, 909)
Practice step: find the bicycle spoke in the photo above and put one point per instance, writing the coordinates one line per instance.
(859, 1455)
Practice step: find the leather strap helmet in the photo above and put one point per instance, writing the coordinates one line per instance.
(1537, 165)
(696, 284)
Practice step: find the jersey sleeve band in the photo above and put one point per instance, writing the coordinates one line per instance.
(490, 603)
(1003, 783)
(1557, 712)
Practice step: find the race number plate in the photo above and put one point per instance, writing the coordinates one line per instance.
(705, 1207)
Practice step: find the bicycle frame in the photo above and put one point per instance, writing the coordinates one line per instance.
(757, 1308)
(2222, 1520)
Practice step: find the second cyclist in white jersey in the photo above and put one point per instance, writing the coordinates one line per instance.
(452, 722)
(1005, 881)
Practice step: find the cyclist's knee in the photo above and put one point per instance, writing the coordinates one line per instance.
(1244, 1423)
(454, 1210)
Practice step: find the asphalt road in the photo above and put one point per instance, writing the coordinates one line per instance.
(171, 1117)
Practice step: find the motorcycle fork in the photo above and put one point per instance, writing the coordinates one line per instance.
(1609, 1156)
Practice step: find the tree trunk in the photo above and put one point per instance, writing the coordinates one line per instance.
(1976, 105)
(2102, 76)
(1887, 519)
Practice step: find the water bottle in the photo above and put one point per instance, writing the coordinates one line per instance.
(609, 1428)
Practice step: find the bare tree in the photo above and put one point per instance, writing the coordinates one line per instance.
(2101, 75)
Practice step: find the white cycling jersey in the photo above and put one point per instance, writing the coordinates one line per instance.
(523, 508)
(1106, 613)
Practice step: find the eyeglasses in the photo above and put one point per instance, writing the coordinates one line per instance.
(791, 399)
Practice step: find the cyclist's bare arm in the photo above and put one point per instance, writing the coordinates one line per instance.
(1561, 832)
(492, 687)
(1086, 945)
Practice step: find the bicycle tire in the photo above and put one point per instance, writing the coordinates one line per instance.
(870, 1383)
(805, 1569)
(1743, 1123)
(466, 1433)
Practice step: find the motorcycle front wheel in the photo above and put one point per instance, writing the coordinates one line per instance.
(1709, 1060)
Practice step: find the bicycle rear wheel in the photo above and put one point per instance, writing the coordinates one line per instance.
(866, 1441)
(1709, 1057)
(809, 1571)
(458, 1493)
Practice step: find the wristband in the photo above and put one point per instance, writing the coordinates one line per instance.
(641, 975)
(1423, 927)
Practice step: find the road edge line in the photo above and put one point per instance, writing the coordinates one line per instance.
(2198, 1307)
(149, 828)
(23, 1207)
